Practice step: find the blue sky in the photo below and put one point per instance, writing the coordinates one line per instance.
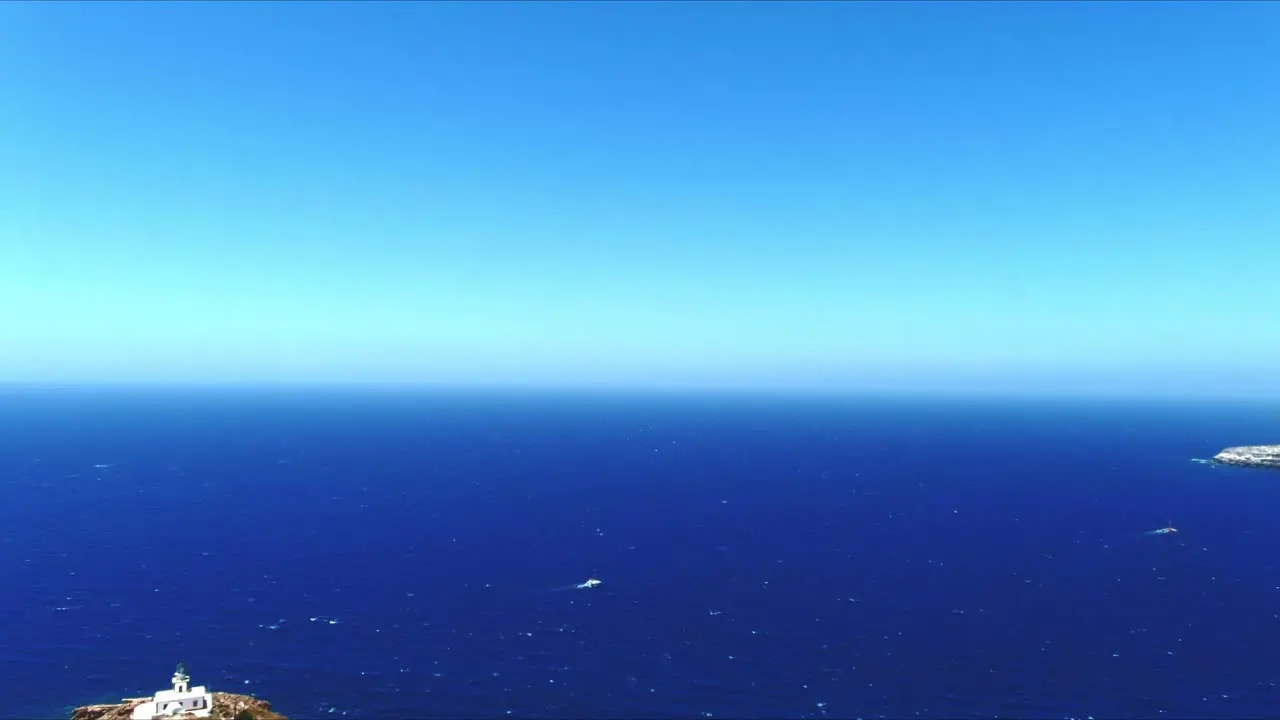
(830, 195)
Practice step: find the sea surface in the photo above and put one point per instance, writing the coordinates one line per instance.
(374, 554)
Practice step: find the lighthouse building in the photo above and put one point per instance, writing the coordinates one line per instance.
(181, 700)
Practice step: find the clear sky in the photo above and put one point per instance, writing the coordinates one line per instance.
(1025, 195)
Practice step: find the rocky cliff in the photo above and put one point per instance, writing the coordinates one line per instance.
(1259, 456)
(225, 707)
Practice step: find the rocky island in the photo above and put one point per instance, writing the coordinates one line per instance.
(183, 701)
(226, 706)
(1257, 456)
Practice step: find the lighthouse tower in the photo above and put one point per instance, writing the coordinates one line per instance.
(181, 680)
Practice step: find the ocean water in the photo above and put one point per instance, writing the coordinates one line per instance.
(383, 555)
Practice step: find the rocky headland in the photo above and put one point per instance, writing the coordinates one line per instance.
(226, 706)
(1257, 456)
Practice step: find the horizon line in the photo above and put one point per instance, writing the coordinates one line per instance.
(641, 389)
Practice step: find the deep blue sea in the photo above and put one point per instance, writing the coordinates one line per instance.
(402, 555)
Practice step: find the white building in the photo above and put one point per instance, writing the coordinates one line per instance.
(182, 699)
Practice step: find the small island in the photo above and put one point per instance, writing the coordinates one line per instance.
(182, 701)
(1256, 456)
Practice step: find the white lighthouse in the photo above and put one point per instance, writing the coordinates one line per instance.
(181, 700)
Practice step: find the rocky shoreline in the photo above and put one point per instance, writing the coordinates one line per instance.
(1255, 456)
(226, 706)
